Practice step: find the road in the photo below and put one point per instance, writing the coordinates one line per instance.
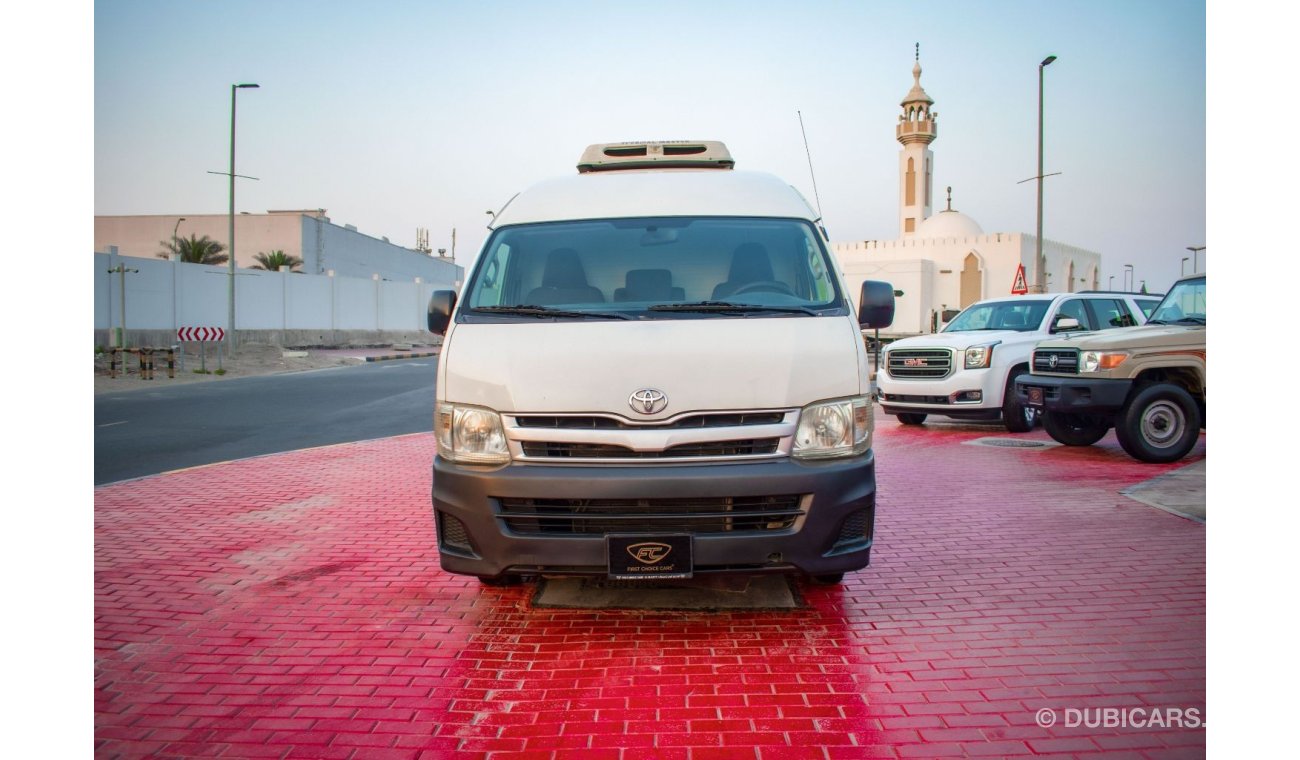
(144, 432)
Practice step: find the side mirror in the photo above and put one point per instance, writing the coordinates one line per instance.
(1066, 324)
(441, 304)
(876, 305)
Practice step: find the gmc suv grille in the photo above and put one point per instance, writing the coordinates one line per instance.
(920, 363)
(726, 514)
(1063, 361)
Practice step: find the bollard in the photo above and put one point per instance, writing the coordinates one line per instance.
(146, 363)
(112, 361)
(171, 362)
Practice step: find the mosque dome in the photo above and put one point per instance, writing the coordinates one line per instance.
(949, 223)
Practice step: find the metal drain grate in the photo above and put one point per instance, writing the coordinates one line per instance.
(1011, 443)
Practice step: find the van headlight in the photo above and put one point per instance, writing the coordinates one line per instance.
(830, 429)
(470, 435)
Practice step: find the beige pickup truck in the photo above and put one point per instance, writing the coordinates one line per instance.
(1147, 382)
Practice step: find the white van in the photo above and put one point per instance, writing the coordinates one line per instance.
(653, 371)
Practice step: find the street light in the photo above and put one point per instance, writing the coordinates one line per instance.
(1040, 281)
(175, 248)
(1195, 249)
(1182, 268)
(1110, 283)
(234, 88)
(1128, 277)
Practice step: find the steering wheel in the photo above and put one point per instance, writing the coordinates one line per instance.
(764, 286)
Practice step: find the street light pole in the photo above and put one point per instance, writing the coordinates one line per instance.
(1110, 283)
(1129, 277)
(1040, 273)
(1182, 268)
(1195, 249)
(231, 334)
(175, 247)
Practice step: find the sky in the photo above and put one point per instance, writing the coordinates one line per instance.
(399, 115)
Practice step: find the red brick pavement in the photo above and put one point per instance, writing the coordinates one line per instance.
(292, 606)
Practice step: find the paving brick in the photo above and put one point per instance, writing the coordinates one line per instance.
(292, 606)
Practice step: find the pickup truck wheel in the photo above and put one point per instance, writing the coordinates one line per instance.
(1074, 429)
(908, 418)
(1161, 423)
(1018, 417)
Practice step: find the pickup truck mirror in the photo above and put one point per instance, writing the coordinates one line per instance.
(876, 305)
(441, 304)
(1065, 324)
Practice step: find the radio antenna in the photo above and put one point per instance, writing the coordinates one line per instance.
(816, 195)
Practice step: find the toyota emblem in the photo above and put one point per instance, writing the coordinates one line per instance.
(648, 401)
(1052, 360)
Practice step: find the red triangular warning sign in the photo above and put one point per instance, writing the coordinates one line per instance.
(1019, 287)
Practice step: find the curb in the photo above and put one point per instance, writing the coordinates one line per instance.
(391, 357)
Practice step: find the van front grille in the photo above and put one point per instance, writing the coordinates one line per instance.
(727, 514)
(561, 450)
(602, 422)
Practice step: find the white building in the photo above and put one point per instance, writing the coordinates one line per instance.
(944, 262)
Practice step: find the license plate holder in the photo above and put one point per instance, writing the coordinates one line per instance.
(1035, 395)
(650, 557)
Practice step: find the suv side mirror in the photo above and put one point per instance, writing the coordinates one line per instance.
(441, 304)
(1065, 324)
(876, 305)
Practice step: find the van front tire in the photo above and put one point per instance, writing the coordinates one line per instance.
(910, 418)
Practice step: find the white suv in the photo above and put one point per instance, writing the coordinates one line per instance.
(968, 371)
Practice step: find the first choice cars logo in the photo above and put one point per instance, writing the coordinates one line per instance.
(649, 552)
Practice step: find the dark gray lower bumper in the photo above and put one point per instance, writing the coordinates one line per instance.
(1075, 394)
(836, 490)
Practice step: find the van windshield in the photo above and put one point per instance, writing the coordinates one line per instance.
(653, 268)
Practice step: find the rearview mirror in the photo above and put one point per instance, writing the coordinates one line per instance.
(876, 305)
(441, 304)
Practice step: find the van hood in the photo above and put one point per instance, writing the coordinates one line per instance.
(720, 363)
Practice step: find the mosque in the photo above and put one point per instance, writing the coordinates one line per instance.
(944, 262)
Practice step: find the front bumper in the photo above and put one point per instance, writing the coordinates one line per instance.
(834, 535)
(950, 396)
(1075, 395)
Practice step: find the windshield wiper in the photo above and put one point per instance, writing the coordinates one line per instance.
(727, 307)
(532, 310)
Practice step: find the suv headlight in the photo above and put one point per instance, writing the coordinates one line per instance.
(470, 435)
(979, 357)
(1091, 361)
(830, 429)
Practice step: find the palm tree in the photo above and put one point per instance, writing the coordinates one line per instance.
(272, 261)
(194, 250)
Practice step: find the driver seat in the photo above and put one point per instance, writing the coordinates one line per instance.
(750, 263)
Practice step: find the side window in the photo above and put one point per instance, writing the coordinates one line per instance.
(1073, 309)
(821, 281)
(1110, 312)
(1147, 306)
(492, 279)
